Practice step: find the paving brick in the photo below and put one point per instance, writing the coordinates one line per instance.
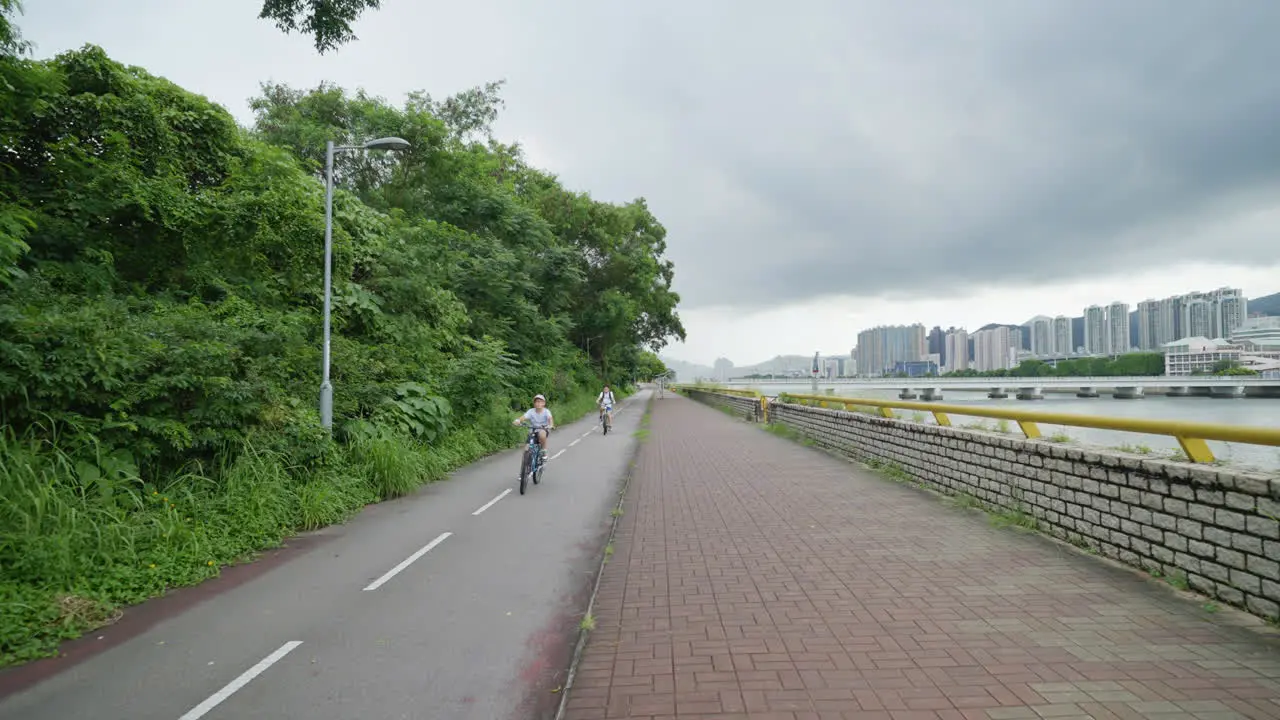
(756, 578)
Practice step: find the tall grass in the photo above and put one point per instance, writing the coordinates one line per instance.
(82, 536)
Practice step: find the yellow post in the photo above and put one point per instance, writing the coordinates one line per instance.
(886, 412)
(943, 419)
(1197, 450)
(764, 408)
(1030, 429)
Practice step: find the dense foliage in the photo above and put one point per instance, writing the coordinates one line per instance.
(1130, 364)
(160, 295)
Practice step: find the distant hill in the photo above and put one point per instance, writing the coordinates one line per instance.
(778, 364)
(685, 371)
(1265, 305)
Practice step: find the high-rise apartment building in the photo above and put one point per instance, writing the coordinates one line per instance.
(1169, 328)
(880, 349)
(1118, 328)
(1149, 325)
(937, 342)
(1063, 338)
(996, 349)
(1040, 330)
(1198, 316)
(1097, 340)
(956, 346)
(1112, 330)
(1231, 308)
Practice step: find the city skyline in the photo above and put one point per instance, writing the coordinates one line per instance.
(1105, 330)
(939, 345)
(830, 326)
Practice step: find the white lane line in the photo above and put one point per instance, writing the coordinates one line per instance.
(575, 442)
(553, 457)
(230, 688)
(407, 562)
(492, 502)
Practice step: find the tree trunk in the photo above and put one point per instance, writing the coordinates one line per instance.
(604, 361)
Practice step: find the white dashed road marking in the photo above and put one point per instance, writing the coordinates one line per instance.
(492, 502)
(407, 562)
(213, 700)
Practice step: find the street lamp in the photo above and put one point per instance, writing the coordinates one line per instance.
(386, 143)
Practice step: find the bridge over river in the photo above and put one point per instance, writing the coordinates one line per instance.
(1033, 388)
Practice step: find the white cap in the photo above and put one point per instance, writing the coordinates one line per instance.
(539, 397)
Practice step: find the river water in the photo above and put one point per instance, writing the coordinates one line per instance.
(1261, 412)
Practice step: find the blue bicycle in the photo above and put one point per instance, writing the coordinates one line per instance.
(531, 464)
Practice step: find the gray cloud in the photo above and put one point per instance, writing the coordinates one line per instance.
(861, 147)
(839, 146)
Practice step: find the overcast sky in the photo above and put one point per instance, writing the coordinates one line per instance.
(823, 167)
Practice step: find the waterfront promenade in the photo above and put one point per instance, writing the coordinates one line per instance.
(753, 577)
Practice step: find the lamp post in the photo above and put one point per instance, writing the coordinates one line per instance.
(593, 337)
(386, 143)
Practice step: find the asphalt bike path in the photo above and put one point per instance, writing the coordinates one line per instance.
(461, 601)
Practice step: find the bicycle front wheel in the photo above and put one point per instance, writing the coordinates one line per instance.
(524, 470)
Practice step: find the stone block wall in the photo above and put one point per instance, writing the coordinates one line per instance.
(1218, 529)
(742, 406)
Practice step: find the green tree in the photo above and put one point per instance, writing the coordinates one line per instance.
(328, 22)
(1130, 364)
(11, 42)
(651, 366)
(1231, 367)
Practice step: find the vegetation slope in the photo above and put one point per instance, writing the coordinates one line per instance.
(160, 320)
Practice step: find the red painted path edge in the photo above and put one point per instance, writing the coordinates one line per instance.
(139, 618)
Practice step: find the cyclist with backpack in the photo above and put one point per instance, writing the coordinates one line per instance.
(605, 402)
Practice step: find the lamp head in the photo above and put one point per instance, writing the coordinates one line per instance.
(387, 143)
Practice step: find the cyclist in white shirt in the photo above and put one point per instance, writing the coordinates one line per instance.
(605, 401)
(540, 421)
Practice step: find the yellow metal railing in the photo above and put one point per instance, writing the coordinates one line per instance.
(1190, 435)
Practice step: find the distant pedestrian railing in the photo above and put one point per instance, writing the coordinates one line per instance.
(1191, 436)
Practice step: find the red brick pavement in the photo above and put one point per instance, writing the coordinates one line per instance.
(756, 578)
